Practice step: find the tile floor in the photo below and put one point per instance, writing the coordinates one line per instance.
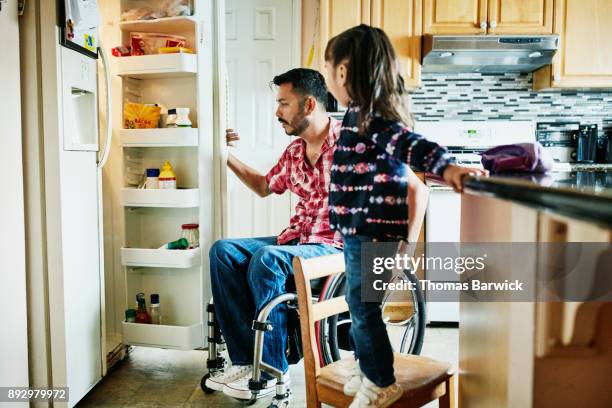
(168, 378)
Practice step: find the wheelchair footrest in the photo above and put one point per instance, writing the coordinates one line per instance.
(256, 385)
(215, 363)
(281, 400)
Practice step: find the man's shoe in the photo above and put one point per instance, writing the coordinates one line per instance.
(217, 380)
(240, 388)
(352, 385)
(372, 396)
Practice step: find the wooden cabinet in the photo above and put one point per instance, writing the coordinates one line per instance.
(520, 16)
(584, 57)
(339, 15)
(488, 16)
(455, 16)
(401, 20)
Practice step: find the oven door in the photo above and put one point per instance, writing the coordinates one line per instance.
(442, 224)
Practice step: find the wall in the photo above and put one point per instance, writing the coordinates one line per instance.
(14, 338)
(505, 96)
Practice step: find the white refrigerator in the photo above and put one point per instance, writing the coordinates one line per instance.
(73, 154)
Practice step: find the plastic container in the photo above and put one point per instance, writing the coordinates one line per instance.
(152, 179)
(156, 317)
(180, 243)
(192, 234)
(167, 178)
(130, 315)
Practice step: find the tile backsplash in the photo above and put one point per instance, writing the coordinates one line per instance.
(505, 96)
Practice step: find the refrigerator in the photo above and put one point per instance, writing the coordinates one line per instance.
(96, 242)
(74, 84)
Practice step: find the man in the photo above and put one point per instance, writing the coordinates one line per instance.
(248, 273)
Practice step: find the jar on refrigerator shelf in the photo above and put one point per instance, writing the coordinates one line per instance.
(152, 181)
(155, 309)
(191, 233)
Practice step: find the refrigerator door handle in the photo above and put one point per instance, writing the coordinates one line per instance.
(109, 115)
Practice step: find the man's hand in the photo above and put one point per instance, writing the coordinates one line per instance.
(454, 175)
(231, 136)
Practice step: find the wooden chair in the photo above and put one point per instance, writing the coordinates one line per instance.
(422, 379)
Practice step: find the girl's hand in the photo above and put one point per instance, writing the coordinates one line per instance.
(455, 175)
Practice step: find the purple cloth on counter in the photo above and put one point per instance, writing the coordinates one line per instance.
(520, 157)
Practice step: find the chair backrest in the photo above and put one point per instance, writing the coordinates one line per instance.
(304, 271)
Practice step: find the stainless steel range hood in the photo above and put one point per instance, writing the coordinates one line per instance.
(487, 53)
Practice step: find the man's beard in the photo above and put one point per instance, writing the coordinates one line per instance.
(298, 125)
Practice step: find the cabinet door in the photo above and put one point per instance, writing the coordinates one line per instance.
(339, 15)
(402, 21)
(520, 16)
(584, 57)
(455, 16)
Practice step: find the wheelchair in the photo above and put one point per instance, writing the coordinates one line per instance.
(332, 332)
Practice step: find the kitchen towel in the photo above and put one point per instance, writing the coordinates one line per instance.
(517, 158)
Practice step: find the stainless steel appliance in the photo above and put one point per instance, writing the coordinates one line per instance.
(560, 139)
(465, 141)
(587, 144)
(487, 53)
(604, 148)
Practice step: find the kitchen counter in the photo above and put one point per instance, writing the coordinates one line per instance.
(527, 353)
(585, 195)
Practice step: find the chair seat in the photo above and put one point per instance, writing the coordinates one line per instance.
(421, 378)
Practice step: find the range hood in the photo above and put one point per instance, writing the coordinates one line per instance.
(487, 53)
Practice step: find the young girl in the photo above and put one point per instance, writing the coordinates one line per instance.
(369, 185)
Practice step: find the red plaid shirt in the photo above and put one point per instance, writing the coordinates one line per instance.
(310, 224)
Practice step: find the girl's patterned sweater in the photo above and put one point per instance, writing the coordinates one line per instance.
(369, 188)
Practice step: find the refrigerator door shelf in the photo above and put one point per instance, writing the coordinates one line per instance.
(158, 66)
(161, 258)
(161, 137)
(161, 198)
(168, 25)
(164, 336)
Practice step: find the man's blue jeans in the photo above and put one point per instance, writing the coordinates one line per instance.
(368, 331)
(245, 275)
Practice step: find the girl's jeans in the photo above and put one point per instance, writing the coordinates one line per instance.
(368, 331)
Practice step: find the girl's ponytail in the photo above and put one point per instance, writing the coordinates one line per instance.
(373, 80)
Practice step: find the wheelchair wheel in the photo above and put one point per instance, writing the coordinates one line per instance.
(412, 340)
(334, 330)
(203, 385)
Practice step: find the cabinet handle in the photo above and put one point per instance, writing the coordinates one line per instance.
(493, 24)
(483, 25)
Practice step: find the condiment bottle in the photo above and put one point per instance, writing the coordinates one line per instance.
(155, 309)
(167, 178)
(142, 316)
(152, 179)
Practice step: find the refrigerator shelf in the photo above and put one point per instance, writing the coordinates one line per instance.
(164, 336)
(161, 198)
(161, 258)
(158, 66)
(168, 25)
(160, 137)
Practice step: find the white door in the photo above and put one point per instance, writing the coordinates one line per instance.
(14, 338)
(261, 39)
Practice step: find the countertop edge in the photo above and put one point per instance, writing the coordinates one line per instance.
(593, 208)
